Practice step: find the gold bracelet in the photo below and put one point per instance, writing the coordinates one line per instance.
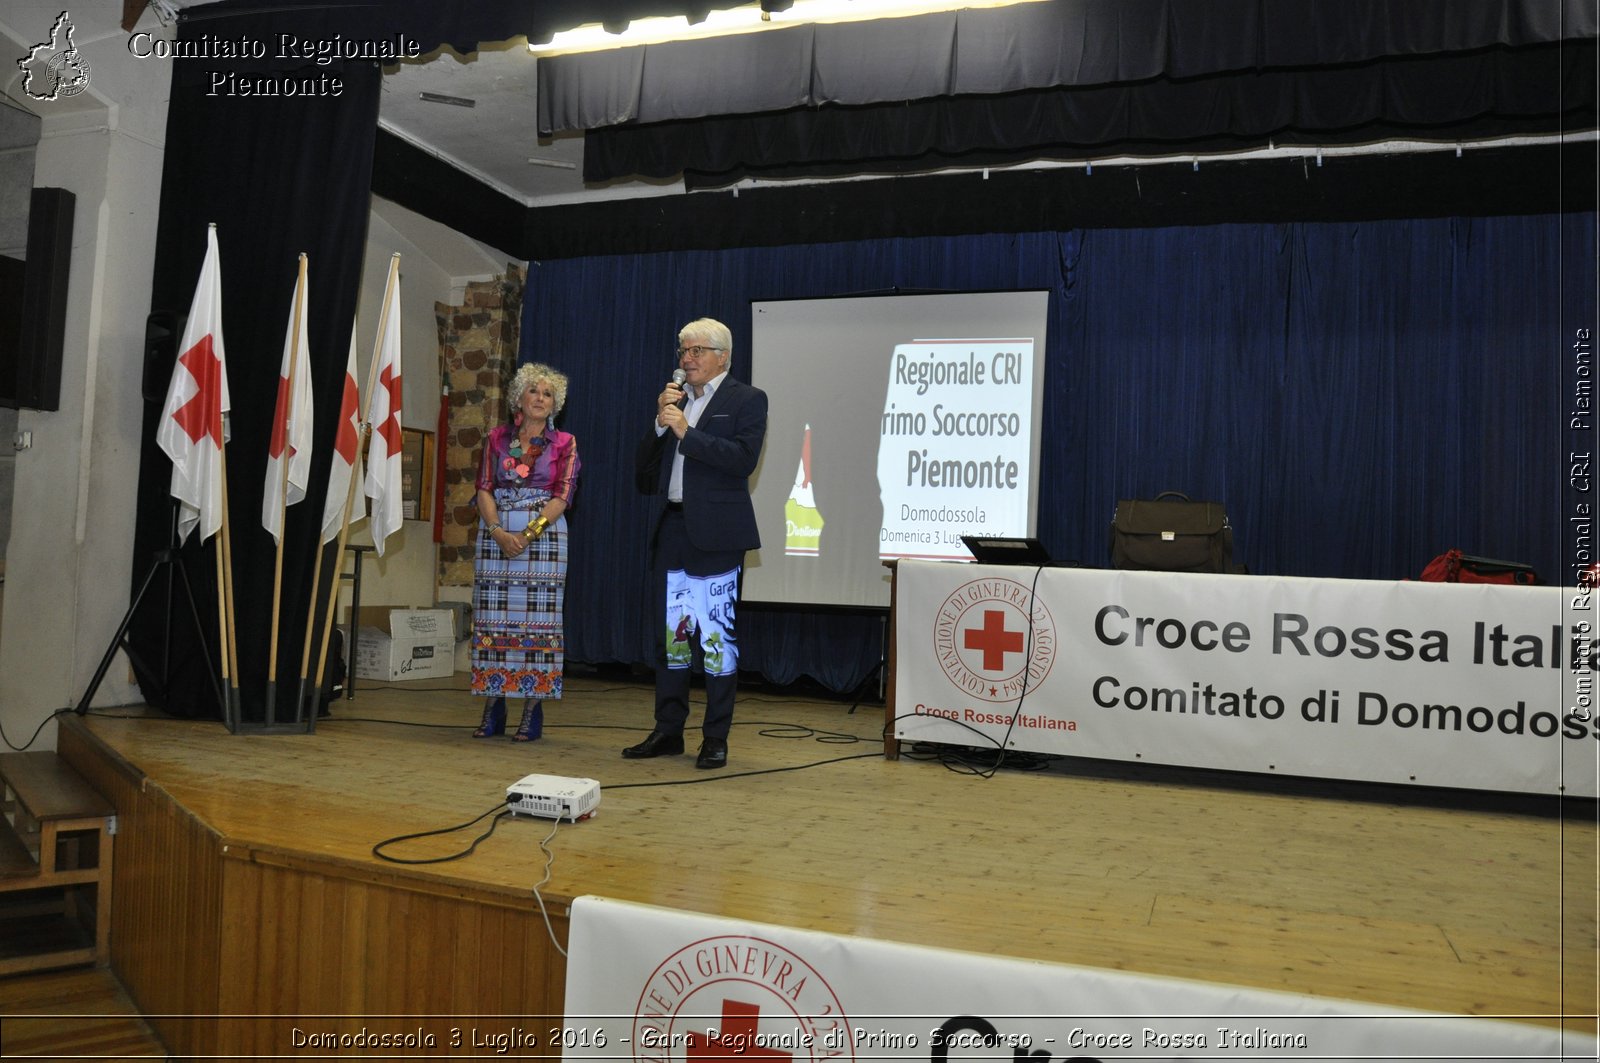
(535, 529)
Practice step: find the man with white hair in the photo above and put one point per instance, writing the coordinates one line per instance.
(697, 461)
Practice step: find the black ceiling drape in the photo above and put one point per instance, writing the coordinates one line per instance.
(1054, 44)
(1536, 89)
(1073, 79)
(1481, 182)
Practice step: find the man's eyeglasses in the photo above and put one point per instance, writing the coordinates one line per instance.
(697, 352)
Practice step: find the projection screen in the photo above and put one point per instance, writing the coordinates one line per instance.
(898, 423)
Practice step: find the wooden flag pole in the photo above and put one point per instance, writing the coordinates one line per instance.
(333, 590)
(311, 615)
(223, 644)
(283, 495)
(230, 642)
(350, 493)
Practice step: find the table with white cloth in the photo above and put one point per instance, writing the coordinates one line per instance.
(1481, 687)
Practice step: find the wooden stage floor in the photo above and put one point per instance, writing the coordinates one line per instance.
(1476, 904)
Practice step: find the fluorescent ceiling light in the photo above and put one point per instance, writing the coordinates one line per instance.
(748, 19)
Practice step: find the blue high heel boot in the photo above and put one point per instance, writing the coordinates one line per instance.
(532, 725)
(494, 719)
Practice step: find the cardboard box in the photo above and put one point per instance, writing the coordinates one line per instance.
(399, 644)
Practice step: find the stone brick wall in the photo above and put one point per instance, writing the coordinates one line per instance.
(478, 341)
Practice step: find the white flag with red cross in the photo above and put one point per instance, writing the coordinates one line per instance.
(346, 444)
(383, 483)
(290, 441)
(191, 428)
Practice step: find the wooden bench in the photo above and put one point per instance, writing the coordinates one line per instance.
(55, 866)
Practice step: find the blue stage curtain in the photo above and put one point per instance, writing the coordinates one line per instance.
(1361, 396)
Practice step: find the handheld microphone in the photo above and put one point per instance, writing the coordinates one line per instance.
(678, 377)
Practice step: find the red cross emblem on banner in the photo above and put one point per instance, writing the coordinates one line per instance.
(993, 639)
(736, 1038)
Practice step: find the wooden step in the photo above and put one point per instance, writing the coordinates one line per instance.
(55, 865)
(15, 859)
(48, 787)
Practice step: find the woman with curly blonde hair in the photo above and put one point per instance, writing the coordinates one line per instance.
(525, 483)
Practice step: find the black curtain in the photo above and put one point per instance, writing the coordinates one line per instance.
(279, 174)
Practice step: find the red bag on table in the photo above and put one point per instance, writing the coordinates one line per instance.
(1453, 566)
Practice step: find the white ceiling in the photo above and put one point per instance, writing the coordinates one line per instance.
(495, 138)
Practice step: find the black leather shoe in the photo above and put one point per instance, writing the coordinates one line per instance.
(713, 754)
(658, 744)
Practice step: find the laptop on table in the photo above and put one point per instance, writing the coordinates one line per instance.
(1006, 550)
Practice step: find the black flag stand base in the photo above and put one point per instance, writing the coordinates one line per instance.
(272, 726)
(166, 561)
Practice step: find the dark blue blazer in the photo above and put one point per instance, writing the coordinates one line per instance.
(719, 455)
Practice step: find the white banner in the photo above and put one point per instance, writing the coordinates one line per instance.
(660, 986)
(1473, 686)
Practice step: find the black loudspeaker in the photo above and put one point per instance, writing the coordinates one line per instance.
(12, 272)
(30, 369)
(163, 330)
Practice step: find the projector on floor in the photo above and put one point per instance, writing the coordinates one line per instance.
(553, 797)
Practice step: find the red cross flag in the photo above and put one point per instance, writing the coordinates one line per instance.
(291, 420)
(383, 452)
(345, 445)
(191, 430)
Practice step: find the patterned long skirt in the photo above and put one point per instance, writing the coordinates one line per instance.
(518, 649)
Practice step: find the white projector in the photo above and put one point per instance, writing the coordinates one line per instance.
(553, 797)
